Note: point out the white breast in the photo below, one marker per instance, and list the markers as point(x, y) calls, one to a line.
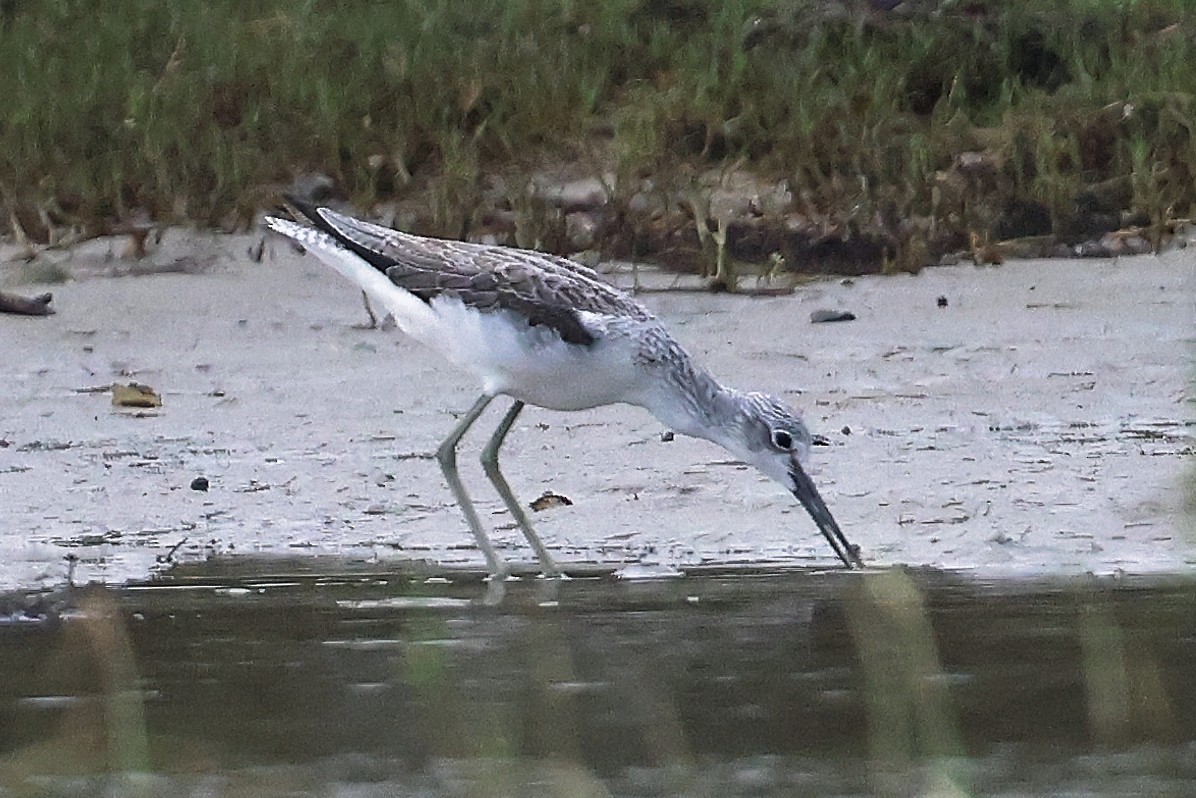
point(533, 364)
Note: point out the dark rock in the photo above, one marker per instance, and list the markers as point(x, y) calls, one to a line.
point(824, 316)
point(1023, 218)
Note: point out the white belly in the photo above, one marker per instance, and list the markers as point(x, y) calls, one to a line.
point(532, 364)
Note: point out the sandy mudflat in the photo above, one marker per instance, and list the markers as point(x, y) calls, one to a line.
point(1040, 423)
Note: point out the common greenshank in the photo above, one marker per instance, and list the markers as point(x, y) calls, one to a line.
point(546, 331)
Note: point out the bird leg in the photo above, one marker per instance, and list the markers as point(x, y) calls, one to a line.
point(373, 325)
point(447, 456)
point(490, 464)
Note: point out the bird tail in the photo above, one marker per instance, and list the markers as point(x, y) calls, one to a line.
point(301, 209)
point(362, 238)
point(332, 250)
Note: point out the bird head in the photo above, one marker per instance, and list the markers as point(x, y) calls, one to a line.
point(769, 435)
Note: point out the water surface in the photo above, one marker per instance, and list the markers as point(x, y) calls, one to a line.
point(274, 677)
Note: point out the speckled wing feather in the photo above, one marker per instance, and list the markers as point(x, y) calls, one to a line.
point(544, 289)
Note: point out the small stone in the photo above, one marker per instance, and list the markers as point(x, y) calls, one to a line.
point(941, 301)
point(199, 483)
point(667, 436)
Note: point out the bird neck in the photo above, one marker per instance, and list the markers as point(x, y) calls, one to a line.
point(692, 402)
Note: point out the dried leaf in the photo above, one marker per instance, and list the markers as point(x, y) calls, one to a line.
point(134, 394)
point(549, 500)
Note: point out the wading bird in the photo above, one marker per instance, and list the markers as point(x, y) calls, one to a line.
point(549, 332)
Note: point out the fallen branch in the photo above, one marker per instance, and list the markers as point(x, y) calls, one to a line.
point(27, 306)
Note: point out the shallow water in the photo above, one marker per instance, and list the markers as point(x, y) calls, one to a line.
point(271, 677)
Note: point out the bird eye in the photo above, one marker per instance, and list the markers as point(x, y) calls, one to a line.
point(782, 439)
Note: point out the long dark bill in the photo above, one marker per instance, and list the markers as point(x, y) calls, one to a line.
point(807, 494)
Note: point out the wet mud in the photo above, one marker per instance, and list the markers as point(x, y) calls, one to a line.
point(1037, 422)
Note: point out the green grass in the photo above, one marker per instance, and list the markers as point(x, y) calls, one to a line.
point(199, 110)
